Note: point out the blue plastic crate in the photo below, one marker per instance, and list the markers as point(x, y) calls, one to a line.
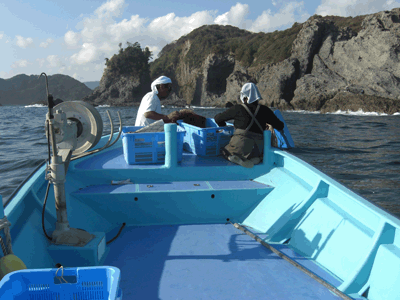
point(147, 147)
point(206, 141)
point(82, 283)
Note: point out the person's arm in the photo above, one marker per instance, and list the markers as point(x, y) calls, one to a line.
point(156, 116)
point(274, 121)
point(227, 115)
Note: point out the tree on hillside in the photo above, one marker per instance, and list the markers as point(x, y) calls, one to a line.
point(133, 60)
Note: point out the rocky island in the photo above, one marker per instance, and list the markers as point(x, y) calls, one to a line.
point(324, 64)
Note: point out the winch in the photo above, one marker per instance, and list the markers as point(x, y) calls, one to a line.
point(72, 128)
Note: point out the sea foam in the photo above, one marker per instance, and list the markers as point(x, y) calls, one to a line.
point(35, 105)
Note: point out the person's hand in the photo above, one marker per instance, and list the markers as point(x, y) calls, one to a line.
point(166, 119)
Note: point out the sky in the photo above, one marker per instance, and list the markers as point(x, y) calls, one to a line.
point(73, 37)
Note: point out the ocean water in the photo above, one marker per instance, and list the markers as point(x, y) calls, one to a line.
point(360, 150)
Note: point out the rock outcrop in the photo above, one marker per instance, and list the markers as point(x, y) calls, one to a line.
point(119, 91)
point(126, 78)
point(349, 70)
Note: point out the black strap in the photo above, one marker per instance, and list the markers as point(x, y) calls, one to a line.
point(253, 117)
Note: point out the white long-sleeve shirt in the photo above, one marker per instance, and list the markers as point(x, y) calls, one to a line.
point(150, 102)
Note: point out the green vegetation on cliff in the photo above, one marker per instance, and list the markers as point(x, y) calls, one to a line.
point(248, 48)
point(133, 61)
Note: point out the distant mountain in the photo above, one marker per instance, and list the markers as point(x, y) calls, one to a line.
point(92, 84)
point(24, 90)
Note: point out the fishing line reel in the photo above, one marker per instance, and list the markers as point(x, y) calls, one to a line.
point(74, 128)
point(77, 126)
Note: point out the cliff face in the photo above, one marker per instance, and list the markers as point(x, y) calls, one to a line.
point(24, 90)
point(349, 70)
point(330, 67)
point(123, 90)
point(125, 78)
point(326, 64)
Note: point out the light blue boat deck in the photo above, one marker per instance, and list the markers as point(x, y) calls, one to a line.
point(208, 261)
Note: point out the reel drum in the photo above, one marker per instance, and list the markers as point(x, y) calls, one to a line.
point(88, 120)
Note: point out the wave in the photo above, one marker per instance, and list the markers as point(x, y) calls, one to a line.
point(360, 112)
point(105, 105)
point(304, 112)
point(36, 105)
point(202, 107)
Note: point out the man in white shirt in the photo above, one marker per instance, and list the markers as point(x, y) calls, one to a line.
point(150, 107)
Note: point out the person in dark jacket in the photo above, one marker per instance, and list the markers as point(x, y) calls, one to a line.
point(250, 120)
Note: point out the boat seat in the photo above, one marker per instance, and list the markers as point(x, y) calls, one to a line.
point(327, 228)
point(176, 202)
point(385, 273)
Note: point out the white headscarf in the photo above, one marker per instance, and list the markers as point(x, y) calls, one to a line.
point(250, 91)
point(159, 80)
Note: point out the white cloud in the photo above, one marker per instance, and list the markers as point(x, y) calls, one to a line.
point(40, 61)
point(24, 42)
point(71, 38)
point(87, 54)
point(1, 35)
point(287, 15)
point(22, 63)
point(346, 8)
point(101, 34)
point(171, 27)
point(54, 61)
point(125, 28)
point(46, 43)
point(112, 8)
point(236, 16)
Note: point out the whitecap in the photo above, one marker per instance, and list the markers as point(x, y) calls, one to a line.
point(105, 105)
point(360, 112)
point(36, 105)
point(203, 107)
point(304, 112)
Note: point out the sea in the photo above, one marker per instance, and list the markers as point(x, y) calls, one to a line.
point(359, 150)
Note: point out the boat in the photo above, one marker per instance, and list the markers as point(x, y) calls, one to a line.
point(198, 227)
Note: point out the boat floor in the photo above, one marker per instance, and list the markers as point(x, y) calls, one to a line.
point(210, 261)
point(115, 159)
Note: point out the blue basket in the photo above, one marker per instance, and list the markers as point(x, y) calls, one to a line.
point(147, 147)
point(206, 141)
point(82, 283)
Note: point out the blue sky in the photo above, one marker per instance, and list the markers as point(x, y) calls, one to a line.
point(74, 37)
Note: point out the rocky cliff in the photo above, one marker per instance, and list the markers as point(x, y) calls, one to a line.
point(25, 90)
point(126, 78)
point(349, 70)
point(325, 64)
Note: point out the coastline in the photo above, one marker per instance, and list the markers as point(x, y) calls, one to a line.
point(360, 112)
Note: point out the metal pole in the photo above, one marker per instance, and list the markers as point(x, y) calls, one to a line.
point(288, 259)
